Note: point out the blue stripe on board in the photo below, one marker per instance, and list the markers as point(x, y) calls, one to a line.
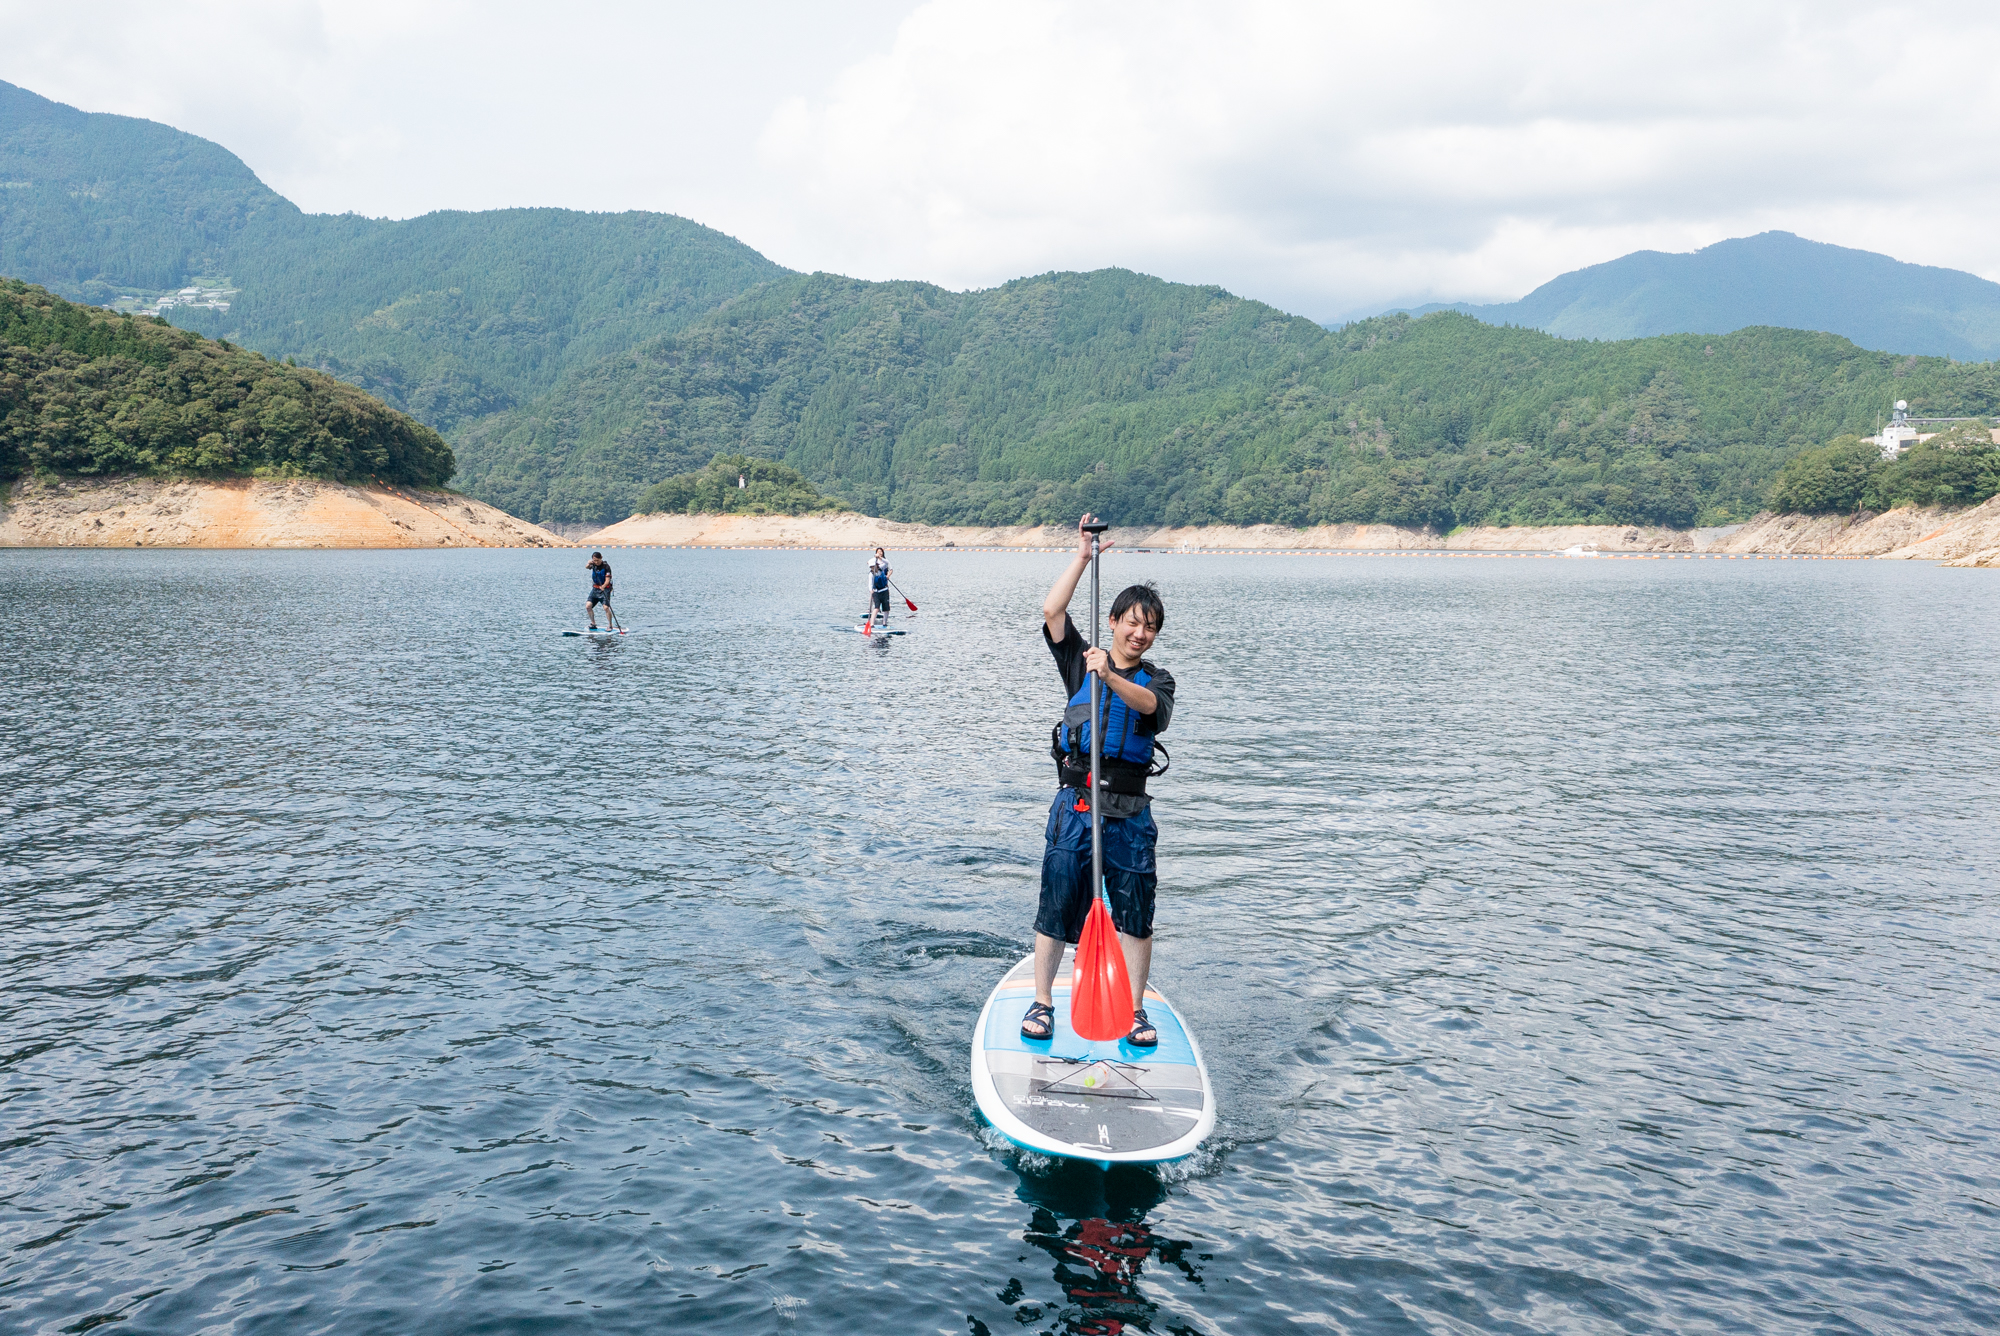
point(1003, 1032)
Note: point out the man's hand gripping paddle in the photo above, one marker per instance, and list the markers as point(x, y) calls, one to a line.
point(1100, 991)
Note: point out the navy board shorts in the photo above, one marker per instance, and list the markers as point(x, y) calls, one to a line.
point(600, 596)
point(1131, 874)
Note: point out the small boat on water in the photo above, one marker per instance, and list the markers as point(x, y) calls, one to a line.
point(1581, 550)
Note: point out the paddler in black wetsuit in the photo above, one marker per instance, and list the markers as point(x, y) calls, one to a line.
point(600, 589)
point(1140, 704)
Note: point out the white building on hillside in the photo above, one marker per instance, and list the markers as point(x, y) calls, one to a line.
point(1905, 431)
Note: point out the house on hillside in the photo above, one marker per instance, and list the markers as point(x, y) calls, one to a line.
point(1905, 431)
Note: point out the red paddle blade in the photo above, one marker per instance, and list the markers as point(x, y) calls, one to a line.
point(1100, 991)
point(912, 606)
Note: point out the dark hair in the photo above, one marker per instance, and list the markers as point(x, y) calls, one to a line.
point(1144, 597)
point(597, 556)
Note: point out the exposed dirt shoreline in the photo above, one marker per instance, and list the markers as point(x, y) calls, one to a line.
point(251, 512)
point(1958, 538)
point(307, 513)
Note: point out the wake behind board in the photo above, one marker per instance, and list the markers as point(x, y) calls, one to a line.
point(1082, 1100)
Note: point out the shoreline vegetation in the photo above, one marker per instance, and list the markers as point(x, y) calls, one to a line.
point(90, 392)
point(306, 513)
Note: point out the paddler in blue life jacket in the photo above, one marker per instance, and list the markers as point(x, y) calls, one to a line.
point(1137, 706)
point(878, 585)
point(600, 589)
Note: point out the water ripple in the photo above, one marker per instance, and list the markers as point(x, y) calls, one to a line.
point(1576, 945)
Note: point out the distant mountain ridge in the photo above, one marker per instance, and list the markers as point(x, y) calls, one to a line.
point(1773, 278)
point(1166, 403)
point(449, 317)
point(578, 360)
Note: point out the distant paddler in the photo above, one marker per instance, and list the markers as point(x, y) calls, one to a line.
point(878, 586)
point(600, 590)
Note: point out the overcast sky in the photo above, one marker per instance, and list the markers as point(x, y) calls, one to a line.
point(1326, 157)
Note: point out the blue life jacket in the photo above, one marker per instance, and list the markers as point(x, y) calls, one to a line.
point(881, 578)
point(1127, 751)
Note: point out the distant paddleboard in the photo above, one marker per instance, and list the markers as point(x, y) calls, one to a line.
point(878, 631)
point(1082, 1100)
point(599, 631)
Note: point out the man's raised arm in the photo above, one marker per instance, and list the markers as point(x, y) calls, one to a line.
point(1055, 608)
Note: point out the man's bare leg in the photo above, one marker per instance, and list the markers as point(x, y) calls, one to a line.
point(1048, 960)
point(590, 611)
point(1138, 963)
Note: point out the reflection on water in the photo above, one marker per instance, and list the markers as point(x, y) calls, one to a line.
point(1573, 945)
point(1092, 1225)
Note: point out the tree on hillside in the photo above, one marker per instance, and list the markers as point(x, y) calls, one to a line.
point(736, 485)
point(1829, 480)
point(1929, 476)
point(86, 391)
point(1974, 434)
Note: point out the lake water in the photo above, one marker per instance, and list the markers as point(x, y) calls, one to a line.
point(1594, 946)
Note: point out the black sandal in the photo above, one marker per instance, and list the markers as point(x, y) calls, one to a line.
point(1042, 1014)
point(1140, 1025)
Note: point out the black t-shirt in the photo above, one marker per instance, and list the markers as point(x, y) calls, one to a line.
point(1069, 662)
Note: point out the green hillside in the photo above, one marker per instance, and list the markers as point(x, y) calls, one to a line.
point(448, 316)
point(580, 360)
point(455, 315)
point(86, 391)
point(736, 485)
point(1159, 402)
point(92, 204)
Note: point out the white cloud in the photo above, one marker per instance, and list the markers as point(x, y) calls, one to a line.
point(1323, 156)
point(1328, 155)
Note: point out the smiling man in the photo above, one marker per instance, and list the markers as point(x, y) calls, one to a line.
point(1137, 706)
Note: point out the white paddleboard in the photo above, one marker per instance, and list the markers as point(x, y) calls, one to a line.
point(878, 631)
point(1105, 1100)
point(598, 631)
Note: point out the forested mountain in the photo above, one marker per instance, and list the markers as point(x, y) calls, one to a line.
point(580, 360)
point(92, 202)
point(85, 391)
point(1159, 402)
point(1773, 278)
point(448, 316)
point(454, 315)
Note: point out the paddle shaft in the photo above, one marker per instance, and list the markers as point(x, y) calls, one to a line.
point(906, 598)
point(1096, 740)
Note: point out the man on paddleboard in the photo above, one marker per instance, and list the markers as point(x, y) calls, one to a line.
point(878, 585)
point(1140, 704)
point(600, 589)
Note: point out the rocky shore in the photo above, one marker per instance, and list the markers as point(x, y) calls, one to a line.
point(1968, 537)
point(307, 513)
point(1959, 538)
point(251, 512)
